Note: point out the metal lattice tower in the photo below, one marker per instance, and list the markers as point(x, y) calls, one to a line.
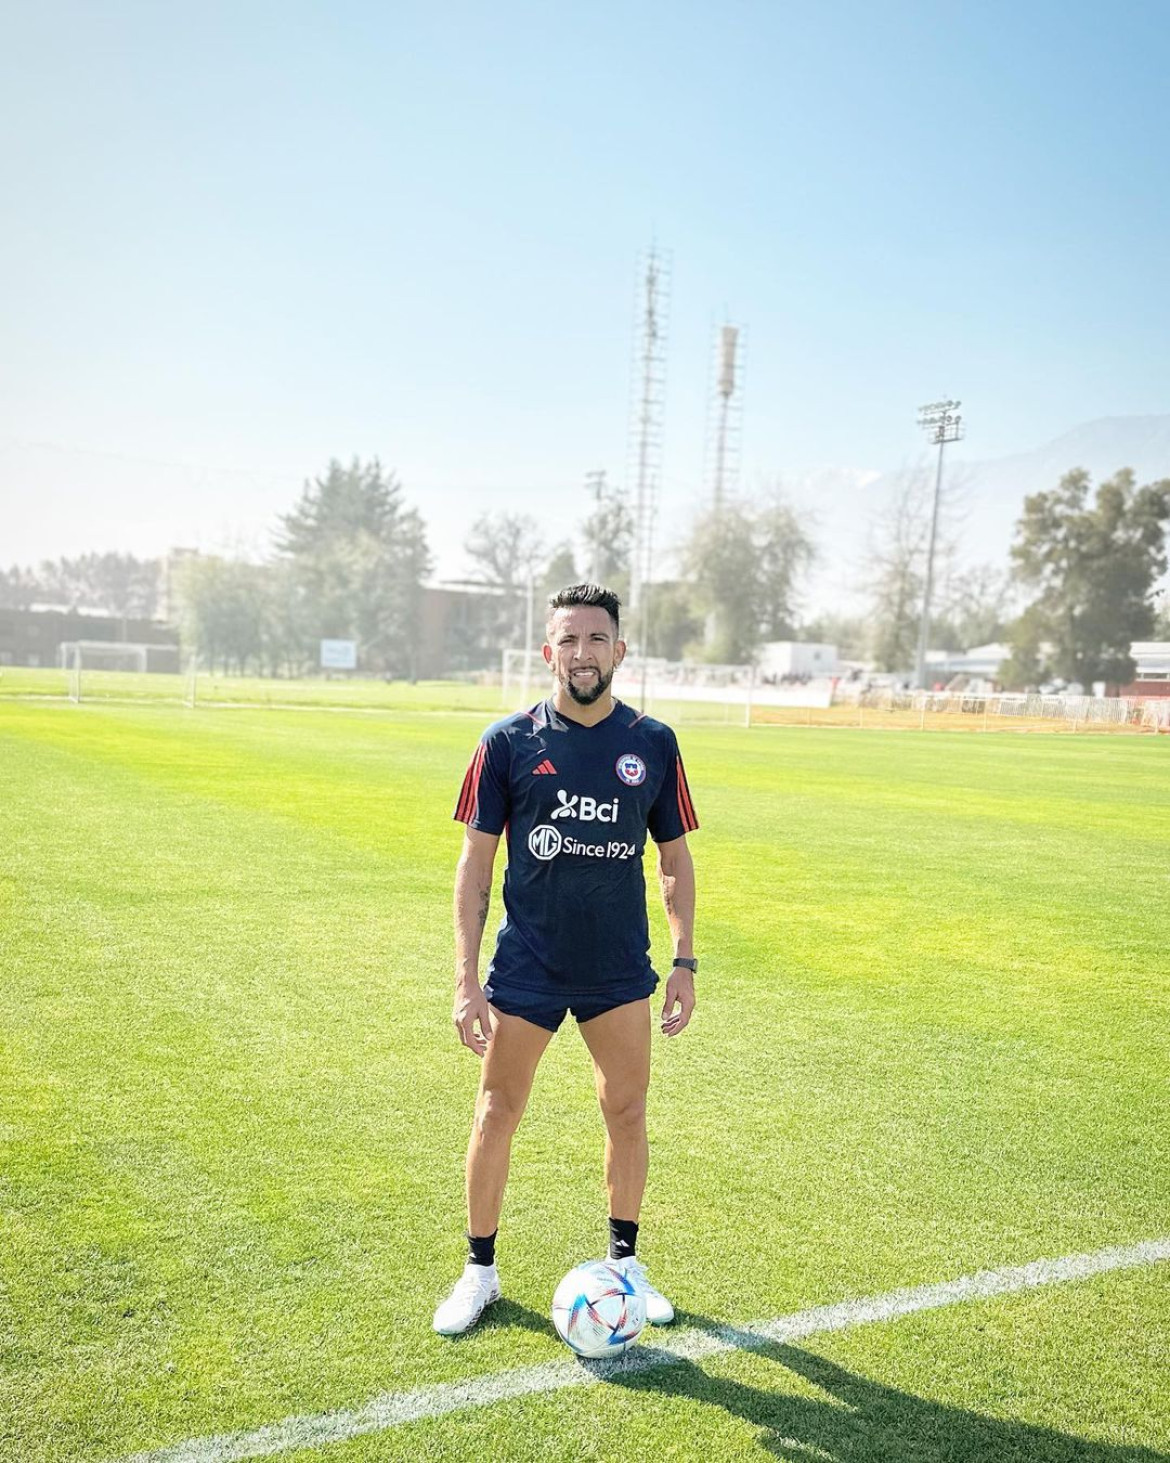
point(725, 414)
point(648, 401)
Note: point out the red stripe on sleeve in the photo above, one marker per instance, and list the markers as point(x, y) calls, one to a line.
point(473, 807)
point(461, 803)
point(686, 808)
point(473, 802)
point(469, 794)
point(478, 775)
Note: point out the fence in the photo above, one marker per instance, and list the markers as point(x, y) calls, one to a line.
point(966, 711)
point(728, 695)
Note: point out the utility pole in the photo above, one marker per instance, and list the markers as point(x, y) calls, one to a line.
point(595, 486)
point(943, 424)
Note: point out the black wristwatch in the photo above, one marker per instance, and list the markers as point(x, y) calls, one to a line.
point(691, 965)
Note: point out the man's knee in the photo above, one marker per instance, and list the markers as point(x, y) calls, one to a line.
point(625, 1113)
point(497, 1113)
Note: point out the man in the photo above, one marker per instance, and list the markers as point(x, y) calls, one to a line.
point(577, 782)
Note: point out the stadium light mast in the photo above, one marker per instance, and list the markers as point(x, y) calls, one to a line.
point(943, 424)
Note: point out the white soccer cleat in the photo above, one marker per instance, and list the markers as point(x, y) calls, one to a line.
point(474, 1291)
point(659, 1311)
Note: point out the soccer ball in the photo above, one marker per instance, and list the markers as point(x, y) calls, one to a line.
point(597, 1311)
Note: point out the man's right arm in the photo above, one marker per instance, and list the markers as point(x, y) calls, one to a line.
point(473, 892)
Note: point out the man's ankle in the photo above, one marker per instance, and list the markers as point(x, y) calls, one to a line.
point(623, 1238)
point(481, 1249)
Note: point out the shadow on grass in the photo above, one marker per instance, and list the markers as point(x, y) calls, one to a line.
point(865, 1422)
point(507, 1314)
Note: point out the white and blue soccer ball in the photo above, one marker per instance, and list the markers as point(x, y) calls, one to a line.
point(597, 1310)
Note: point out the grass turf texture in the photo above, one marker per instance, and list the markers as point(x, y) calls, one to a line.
point(931, 1039)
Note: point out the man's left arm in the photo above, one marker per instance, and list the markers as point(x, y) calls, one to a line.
point(676, 874)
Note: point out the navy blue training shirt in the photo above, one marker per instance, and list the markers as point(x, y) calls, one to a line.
point(576, 802)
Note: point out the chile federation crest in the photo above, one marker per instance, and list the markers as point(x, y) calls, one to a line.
point(631, 769)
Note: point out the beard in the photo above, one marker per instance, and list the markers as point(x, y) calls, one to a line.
point(586, 696)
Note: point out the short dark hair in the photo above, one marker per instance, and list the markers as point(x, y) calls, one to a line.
point(587, 594)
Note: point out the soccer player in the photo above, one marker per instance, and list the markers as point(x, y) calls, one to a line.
point(576, 783)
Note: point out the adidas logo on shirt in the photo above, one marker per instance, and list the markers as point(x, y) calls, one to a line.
point(545, 769)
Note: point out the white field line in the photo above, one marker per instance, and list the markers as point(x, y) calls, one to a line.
point(392, 1409)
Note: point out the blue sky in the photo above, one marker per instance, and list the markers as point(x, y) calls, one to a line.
point(239, 239)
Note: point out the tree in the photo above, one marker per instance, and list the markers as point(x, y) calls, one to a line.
point(899, 542)
point(559, 572)
point(673, 619)
point(288, 624)
point(785, 552)
point(899, 545)
point(1025, 666)
point(974, 608)
point(849, 633)
point(1094, 568)
point(505, 550)
point(19, 588)
point(119, 584)
point(608, 534)
point(358, 557)
point(744, 561)
point(223, 611)
point(243, 617)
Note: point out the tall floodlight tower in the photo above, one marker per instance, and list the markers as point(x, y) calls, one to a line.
point(943, 424)
point(725, 414)
point(648, 400)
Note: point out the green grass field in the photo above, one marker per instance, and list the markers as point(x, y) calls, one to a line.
point(933, 1038)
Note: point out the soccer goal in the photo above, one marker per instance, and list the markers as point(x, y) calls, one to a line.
point(111, 666)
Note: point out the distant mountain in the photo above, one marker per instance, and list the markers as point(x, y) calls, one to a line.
point(843, 502)
point(997, 488)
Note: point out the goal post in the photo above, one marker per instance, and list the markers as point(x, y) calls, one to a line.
point(191, 684)
point(76, 657)
point(524, 674)
point(688, 692)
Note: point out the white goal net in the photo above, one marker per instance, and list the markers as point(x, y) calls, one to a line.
point(102, 662)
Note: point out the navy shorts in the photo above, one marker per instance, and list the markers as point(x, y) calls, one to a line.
point(549, 1007)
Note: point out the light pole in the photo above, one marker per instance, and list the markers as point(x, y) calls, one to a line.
point(943, 424)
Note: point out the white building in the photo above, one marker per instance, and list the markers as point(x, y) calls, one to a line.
point(982, 661)
point(780, 658)
point(1152, 676)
